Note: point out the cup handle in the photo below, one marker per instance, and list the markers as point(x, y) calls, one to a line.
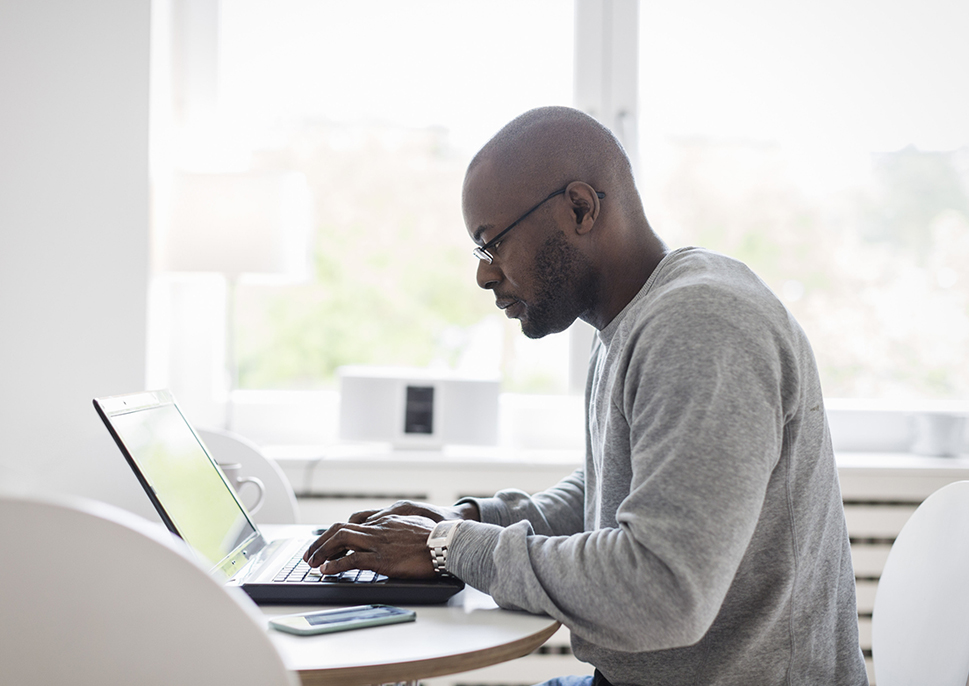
point(262, 491)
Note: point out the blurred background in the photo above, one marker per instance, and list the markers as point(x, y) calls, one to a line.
point(823, 144)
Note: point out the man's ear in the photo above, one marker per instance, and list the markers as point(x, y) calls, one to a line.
point(584, 203)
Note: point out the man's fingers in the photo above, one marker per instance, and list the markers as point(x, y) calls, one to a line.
point(395, 545)
point(319, 542)
point(352, 560)
point(401, 508)
point(338, 539)
point(362, 516)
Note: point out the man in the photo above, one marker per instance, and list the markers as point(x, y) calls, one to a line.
point(704, 540)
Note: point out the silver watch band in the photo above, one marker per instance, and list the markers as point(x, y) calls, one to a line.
point(439, 560)
point(438, 541)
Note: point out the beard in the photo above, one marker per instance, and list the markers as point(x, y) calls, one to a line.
point(567, 288)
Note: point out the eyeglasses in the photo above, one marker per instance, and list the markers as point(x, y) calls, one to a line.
point(482, 252)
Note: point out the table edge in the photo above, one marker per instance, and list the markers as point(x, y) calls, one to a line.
point(363, 675)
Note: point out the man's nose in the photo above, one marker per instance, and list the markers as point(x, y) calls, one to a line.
point(488, 275)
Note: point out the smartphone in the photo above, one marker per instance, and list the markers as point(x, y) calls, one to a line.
point(342, 619)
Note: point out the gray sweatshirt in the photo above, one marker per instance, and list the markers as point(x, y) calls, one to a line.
point(704, 540)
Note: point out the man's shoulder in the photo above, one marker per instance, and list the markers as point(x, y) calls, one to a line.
point(699, 296)
point(696, 280)
point(688, 267)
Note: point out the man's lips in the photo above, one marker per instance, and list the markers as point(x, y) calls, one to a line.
point(511, 306)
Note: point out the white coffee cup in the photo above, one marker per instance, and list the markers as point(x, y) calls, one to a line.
point(941, 434)
point(233, 474)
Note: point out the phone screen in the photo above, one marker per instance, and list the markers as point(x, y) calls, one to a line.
point(327, 621)
point(352, 614)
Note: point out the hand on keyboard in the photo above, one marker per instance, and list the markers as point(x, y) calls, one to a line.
point(394, 545)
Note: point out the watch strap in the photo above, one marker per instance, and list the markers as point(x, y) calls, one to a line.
point(439, 559)
point(438, 543)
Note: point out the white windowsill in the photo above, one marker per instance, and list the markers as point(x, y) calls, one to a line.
point(301, 427)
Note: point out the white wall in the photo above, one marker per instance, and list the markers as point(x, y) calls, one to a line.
point(73, 238)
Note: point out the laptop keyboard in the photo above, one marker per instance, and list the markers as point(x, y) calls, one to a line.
point(297, 571)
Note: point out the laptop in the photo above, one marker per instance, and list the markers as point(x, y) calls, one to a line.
point(197, 504)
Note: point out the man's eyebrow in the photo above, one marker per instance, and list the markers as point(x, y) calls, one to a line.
point(480, 230)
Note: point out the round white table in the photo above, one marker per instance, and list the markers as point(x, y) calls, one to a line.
point(468, 633)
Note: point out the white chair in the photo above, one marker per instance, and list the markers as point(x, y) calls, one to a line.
point(92, 594)
point(279, 504)
point(920, 623)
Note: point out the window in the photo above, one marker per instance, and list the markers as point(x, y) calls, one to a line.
point(379, 105)
point(825, 144)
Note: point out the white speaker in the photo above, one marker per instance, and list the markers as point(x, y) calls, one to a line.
point(417, 408)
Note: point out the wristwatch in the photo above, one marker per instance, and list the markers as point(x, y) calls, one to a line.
point(439, 541)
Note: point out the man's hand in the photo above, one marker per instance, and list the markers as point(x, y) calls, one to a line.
point(410, 508)
point(395, 545)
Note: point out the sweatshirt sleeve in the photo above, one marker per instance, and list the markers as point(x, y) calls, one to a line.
point(555, 511)
point(697, 417)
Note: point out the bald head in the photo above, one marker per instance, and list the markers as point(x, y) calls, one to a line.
point(549, 147)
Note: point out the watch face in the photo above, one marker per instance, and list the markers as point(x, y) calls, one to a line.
point(443, 529)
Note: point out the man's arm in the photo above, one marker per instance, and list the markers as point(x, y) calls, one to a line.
point(557, 511)
point(393, 541)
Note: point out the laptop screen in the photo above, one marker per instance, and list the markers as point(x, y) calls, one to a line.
point(185, 481)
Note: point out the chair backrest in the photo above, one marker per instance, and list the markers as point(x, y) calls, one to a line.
point(920, 624)
point(91, 594)
point(279, 505)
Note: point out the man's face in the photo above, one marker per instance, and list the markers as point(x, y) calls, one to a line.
point(538, 276)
